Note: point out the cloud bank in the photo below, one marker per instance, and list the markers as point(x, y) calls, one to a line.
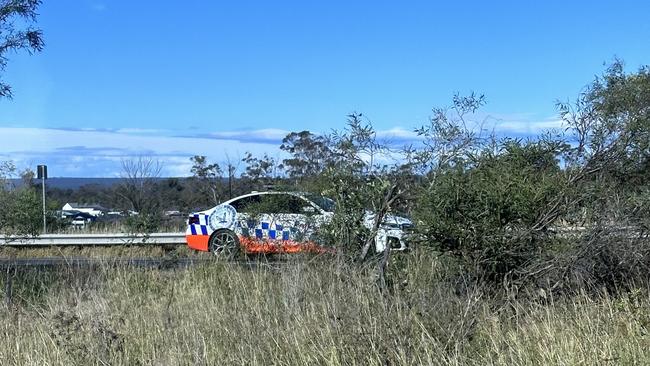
point(98, 152)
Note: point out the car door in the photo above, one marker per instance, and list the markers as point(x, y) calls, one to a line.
point(246, 220)
point(296, 217)
point(277, 217)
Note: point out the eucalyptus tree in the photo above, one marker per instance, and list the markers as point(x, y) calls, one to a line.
point(17, 32)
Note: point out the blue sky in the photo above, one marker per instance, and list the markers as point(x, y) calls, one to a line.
point(175, 79)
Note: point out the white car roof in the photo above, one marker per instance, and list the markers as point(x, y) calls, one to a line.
point(297, 194)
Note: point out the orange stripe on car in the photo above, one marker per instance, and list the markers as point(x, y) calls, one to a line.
point(198, 242)
point(256, 246)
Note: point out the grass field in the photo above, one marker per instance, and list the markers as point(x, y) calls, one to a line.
point(113, 251)
point(309, 311)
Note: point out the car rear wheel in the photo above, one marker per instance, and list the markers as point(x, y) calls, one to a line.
point(224, 244)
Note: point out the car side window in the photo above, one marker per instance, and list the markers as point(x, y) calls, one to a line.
point(273, 204)
point(285, 204)
point(246, 204)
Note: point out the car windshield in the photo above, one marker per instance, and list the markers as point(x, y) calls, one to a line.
point(327, 204)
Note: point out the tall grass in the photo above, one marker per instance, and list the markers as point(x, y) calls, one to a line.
point(168, 225)
point(307, 311)
point(111, 251)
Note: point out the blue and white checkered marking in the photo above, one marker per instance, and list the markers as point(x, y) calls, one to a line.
point(202, 227)
point(265, 230)
point(261, 230)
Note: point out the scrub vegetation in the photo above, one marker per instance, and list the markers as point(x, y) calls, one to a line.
point(525, 250)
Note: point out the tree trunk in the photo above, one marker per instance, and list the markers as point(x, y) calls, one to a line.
point(387, 202)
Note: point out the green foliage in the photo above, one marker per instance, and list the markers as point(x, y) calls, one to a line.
point(491, 214)
point(611, 124)
point(21, 211)
point(7, 169)
point(207, 180)
point(145, 222)
point(355, 149)
point(450, 138)
point(346, 230)
point(16, 32)
point(492, 203)
point(260, 172)
point(358, 183)
point(310, 154)
point(259, 168)
point(201, 168)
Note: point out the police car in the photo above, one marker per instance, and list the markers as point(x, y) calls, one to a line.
point(277, 222)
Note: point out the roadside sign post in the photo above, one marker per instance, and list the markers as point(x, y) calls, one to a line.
point(42, 175)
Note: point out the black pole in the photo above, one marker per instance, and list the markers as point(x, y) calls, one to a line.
point(230, 181)
point(41, 172)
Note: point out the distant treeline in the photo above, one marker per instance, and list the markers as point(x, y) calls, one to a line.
point(172, 193)
point(76, 183)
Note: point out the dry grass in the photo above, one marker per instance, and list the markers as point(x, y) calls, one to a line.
point(120, 251)
point(167, 226)
point(311, 311)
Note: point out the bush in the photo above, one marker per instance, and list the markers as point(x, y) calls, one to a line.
point(144, 222)
point(21, 212)
point(490, 214)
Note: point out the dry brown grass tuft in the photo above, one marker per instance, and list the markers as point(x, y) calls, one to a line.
point(309, 311)
point(115, 251)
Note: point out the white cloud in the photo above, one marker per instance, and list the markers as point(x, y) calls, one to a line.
point(523, 127)
point(94, 153)
point(267, 135)
point(398, 136)
point(138, 130)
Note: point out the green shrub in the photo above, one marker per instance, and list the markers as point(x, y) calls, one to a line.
point(144, 222)
point(491, 214)
point(21, 212)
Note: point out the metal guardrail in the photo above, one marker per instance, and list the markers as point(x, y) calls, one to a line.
point(164, 238)
point(93, 239)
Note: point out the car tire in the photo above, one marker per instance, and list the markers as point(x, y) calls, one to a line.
point(224, 244)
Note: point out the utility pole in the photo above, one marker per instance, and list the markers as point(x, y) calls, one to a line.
point(42, 175)
point(230, 173)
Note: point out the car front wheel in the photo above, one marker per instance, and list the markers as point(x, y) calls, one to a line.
point(224, 244)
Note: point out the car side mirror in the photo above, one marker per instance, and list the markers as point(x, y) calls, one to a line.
point(308, 209)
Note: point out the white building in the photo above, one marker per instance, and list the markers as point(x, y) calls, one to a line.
point(94, 210)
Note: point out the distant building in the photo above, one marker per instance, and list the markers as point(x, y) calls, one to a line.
point(71, 209)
